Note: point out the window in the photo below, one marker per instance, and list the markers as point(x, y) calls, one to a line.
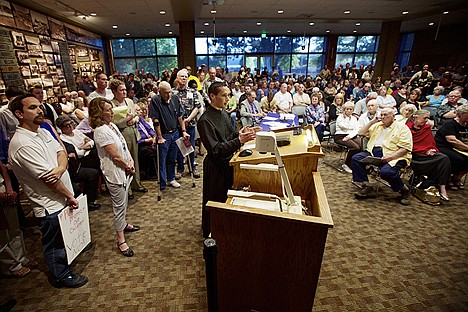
point(404, 51)
point(356, 50)
point(154, 55)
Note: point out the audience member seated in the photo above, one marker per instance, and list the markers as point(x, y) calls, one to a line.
point(268, 103)
point(147, 148)
point(83, 161)
point(231, 109)
point(427, 159)
point(362, 93)
point(386, 100)
point(447, 111)
point(365, 118)
point(361, 106)
point(301, 98)
point(336, 108)
point(81, 111)
point(315, 115)
point(347, 127)
point(283, 99)
point(451, 139)
point(434, 101)
point(391, 142)
point(413, 98)
point(400, 96)
point(405, 112)
point(250, 111)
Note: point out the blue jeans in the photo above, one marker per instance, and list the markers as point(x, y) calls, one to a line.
point(53, 247)
point(387, 172)
point(180, 157)
point(167, 158)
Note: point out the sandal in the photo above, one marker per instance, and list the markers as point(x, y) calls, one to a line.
point(127, 252)
point(457, 184)
point(444, 197)
point(21, 272)
point(32, 263)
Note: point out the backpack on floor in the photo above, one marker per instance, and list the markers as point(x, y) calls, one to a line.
point(427, 192)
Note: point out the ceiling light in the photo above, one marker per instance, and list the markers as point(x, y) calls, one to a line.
point(280, 11)
point(170, 33)
point(213, 11)
point(259, 23)
point(354, 31)
point(245, 31)
point(347, 12)
point(93, 14)
point(358, 24)
point(202, 31)
point(288, 31)
point(127, 34)
point(405, 12)
point(327, 31)
point(114, 26)
point(446, 12)
point(207, 24)
point(431, 24)
point(167, 25)
point(162, 12)
point(311, 23)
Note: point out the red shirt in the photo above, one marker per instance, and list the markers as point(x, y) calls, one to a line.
point(423, 140)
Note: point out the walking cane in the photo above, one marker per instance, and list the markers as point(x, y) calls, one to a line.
point(157, 170)
point(191, 169)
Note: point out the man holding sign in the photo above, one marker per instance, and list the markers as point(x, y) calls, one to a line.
point(40, 164)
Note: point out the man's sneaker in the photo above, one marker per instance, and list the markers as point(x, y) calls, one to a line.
point(346, 168)
point(72, 281)
point(405, 195)
point(174, 183)
point(196, 175)
point(178, 175)
point(366, 192)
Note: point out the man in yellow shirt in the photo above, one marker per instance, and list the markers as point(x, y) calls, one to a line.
point(392, 143)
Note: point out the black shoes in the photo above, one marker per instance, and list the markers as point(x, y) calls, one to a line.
point(132, 229)
point(131, 196)
point(72, 281)
point(127, 252)
point(93, 206)
point(142, 190)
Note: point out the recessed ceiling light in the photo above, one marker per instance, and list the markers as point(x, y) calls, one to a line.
point(167, 25)
point(311, 23)
point(358, 24)
point(245, 31)
point(170, 33)
point(93, 14)
point(327, 31)
point(259, 23)
point(207, 24)
point(431, 24)
point(202, 31)
point(405, 12)
point(127, 34)
point(213, 11)
point(347, 12)
point(162, 12)
point(446, 12)
point(280, 11)
point(354, 31)
point(288, 31)
point(115, 26)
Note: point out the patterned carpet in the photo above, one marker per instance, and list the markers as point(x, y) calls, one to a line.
point(380, 256)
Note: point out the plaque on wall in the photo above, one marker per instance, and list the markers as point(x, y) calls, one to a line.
point(67, 66)
point(40, 23)
point(6, 14)
point(9, 65)
point(22, 18)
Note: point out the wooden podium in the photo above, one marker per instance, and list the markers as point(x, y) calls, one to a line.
point(267, 260)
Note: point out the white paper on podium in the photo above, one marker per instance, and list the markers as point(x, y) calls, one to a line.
point(256, 203)
point(74, 224)
point(184, 150)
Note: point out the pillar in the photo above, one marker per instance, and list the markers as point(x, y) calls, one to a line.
point(186, 48)
point(387, 50)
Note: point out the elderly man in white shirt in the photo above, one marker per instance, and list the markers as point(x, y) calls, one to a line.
point(284, 99)
point(301, 98)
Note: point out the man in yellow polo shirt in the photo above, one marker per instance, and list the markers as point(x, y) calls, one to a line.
point(392, 143)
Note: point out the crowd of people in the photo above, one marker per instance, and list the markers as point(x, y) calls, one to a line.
point(114, 132)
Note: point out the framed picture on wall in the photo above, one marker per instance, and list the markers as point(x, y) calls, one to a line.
point(23, 57)
point(31, 39)
point(25, 71)
point(22, 18)
point(58, 59)
point(49, 59)
point(18, 40)
point(94, 54)
point(72, 59)
point(34, 70)
point(42, 66)
point(6, 14)
point(53, 69)
point(40, 23)
point(55, 47)
point(34, 50)
point(57, 31)
point(45, 43)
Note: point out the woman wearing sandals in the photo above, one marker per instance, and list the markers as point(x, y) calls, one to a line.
point(116, 164)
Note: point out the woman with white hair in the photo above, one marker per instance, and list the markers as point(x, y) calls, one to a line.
point(405, 113)
point(347, 127)
point(385, 100)
point(434, 101)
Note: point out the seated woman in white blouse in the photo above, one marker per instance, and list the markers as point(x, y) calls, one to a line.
point(386, 100)
point(347, 127)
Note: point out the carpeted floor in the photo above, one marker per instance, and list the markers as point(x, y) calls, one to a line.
point(380, 256)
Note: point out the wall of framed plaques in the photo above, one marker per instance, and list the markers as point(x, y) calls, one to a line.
point(47, 51)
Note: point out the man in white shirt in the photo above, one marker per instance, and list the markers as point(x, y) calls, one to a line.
point(101, 90)
point(301, 98)
point(40, 164)
point(284, 99)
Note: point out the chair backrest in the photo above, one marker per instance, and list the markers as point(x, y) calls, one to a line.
point(332, 126)
point(298, 110)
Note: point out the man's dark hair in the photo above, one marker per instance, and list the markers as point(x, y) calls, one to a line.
point(17, 103)
point(13, 91)
point(215, 87)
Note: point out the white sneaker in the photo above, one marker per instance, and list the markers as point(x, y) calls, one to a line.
point(346, 168)
point(174, 183)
